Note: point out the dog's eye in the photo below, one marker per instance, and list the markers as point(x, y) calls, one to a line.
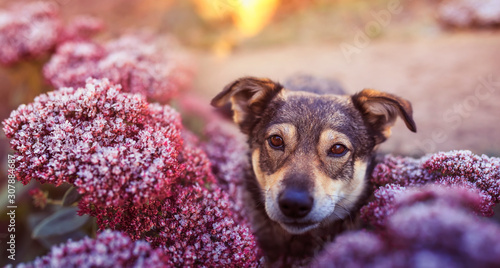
point(338, 150)
point(276, 142)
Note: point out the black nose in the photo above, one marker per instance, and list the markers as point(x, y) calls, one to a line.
point(295, 203)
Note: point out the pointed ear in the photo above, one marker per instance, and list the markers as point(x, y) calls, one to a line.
point(380, 111)
point(249, 97)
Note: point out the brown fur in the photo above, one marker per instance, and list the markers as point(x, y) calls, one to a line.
point(303, 193)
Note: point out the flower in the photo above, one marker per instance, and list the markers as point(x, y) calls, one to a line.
point(28, 30)
point(40, 198)
point(475, 173)
point(108, 249)
point(81, 28)
point(112, 146)
point(429, 227)
point(469, 13)
point(141, 63)
point(227, 150)
point(129, 161)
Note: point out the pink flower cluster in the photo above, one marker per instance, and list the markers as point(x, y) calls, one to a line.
point(430, 226)
point(469, 13)
point(129, 162)
point(81, 28)
point(116, 148)
point(108, 249)
point(141, 63)
point(28, 30)
point(478, 174)
point(195, 227)
point(227, 149)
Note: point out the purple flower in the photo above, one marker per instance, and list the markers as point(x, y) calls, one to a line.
point(141, 63)
point(227, 151)
point(469, 13)
point(81, 28)
point(129, 161)
point(108, 249)
point(456, 168)
point(197, 226)
point(114, 147)
point(428, 227)
point(28, 30)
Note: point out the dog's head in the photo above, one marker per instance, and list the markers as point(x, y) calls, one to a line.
point(310, 152)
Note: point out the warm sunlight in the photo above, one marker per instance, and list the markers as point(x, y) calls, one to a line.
point(249, 16)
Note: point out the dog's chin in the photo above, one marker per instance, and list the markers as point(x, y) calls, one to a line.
point(298, 228)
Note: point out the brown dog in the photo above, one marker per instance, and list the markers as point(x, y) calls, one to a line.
point(310, 154)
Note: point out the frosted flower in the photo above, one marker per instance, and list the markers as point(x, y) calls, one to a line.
point(108, 249)
point(198, 227)
point(81, 28)
point(114, 147)
point(227, 151)
point(393, 197)
point(28, 30)
point(428, 227)
point(141, 63)
point(455, 168)
point(128, 160)
point(469, 13)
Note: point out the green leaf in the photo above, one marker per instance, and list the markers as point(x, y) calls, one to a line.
point(70, 197)
point(61, 222)
point(50, 241)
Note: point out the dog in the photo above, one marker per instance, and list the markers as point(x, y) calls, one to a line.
point(310, 152)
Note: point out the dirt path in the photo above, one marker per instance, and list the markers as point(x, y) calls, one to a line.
point(452, 80)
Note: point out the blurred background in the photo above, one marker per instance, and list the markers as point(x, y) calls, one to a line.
point(443, 56)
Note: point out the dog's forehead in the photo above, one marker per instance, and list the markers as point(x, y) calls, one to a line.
point(307, 110)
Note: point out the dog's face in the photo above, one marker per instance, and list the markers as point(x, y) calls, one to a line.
point(310, 152)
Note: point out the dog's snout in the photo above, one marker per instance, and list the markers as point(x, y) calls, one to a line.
point(295, 203)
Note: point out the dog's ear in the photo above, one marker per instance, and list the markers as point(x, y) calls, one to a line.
point(249, 97)
point(380, 111)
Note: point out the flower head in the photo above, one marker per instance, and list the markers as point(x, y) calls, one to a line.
point(427, 227)
point(129, 161)
point(28, 30)
point(108, 249)
point(114, 147)
point(227, 149)
point(40, 198)
point(469, 13)
point(456, 168)
point(141, 63)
